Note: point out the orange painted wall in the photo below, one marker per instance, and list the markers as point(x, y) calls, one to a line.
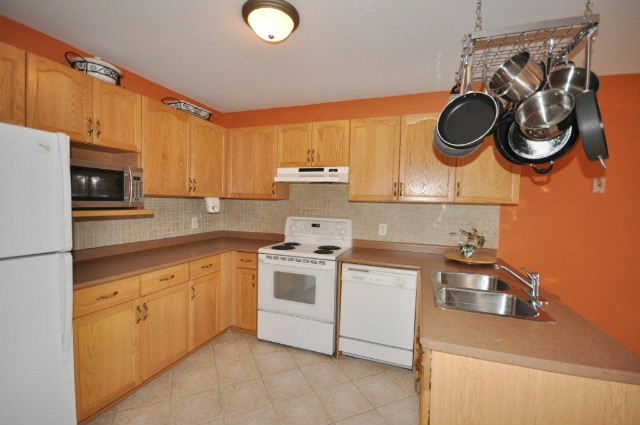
point(31, 40)
point(584, 245)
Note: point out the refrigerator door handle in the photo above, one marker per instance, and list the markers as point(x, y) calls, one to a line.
point(66, 307)
point(65, 153)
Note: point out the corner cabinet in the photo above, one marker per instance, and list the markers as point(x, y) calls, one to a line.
point(321, 144)
point(12, 84)
point(251, 160)
point(394, 160)
point(165, 150)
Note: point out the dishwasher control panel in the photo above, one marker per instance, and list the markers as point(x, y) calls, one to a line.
point(386, 276)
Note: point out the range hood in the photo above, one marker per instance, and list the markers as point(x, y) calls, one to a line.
point(313, 174)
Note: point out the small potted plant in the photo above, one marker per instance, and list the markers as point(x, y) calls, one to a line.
point(473, 241)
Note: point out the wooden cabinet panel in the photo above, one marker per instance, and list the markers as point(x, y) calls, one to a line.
point(59, 98)
point(117, 115)
point(246, 299)
point(247, 260)
point(165, 149)
point(164, 331)
point(294, 145)
point(426, 175)
point(205, 292)
point(102, 296)
point(486, 177)
point(106, 356)
point(12, 84)
point(204, 266)
point(252, 164)
point(330, 143)
point(207, 157)
point(225, 304)
point(163, 278)
point(374, 151)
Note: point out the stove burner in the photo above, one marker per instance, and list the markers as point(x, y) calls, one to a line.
point(328, 247)
point(322, 251)
point(283, 247)
point(291, 243)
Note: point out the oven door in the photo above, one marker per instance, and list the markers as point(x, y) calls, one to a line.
point(297, 290)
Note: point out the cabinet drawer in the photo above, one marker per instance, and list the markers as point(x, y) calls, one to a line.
point(246, 260)
point(204, 266)
point(99, 297)
point(163, 278)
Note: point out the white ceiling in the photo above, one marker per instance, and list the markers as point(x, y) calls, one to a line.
point(343, 49)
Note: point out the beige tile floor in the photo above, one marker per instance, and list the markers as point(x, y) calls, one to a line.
point(237, 379)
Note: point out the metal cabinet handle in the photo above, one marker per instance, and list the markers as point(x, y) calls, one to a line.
point(139, 310)
point(193, 292)
point(206, 266)
point(98, 129)
point(395, 189)
point(273, 188)
point(458, 189)
point(309, 155)
point(90, 131)
point(146, 311)
point(400, 189)
point(313, 154)
point(243, 260)
point(104, 297)
point(164, 279)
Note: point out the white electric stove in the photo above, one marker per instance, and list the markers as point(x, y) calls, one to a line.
point(297, 283)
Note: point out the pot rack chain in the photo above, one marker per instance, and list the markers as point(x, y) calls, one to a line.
point(485, 51)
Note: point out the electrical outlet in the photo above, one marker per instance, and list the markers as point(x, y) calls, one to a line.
point(194, 222)
point(599, 184)
point(382, 229)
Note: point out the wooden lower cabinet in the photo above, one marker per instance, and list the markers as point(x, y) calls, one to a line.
point(205, 292)
point(164, 335)
point(246, 299)
point(106, 347)
point(463, 390)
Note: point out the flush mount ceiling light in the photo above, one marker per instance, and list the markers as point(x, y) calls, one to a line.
point(271, 20)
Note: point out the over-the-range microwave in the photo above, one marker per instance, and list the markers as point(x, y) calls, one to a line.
point(100, 185)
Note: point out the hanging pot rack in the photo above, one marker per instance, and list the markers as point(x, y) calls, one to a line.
point(483, 51)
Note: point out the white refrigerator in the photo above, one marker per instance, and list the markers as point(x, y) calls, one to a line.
point(36, 283)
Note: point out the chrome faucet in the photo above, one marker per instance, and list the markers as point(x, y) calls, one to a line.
point(533, 284)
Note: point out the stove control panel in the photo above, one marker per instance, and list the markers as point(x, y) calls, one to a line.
point(297, 261)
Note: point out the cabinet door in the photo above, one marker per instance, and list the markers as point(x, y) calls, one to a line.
point(12, 84)
point(164, 334)
point(252, 163)
point(59, 98)
point(106, 356)
point(165, 149)
point(208, 146)
point(205, 292)
point(294, 145)
point(374, 151)
point(330, 143)
point(246, 299)
point(486, 177)
point(117, 115)
point(426, 175)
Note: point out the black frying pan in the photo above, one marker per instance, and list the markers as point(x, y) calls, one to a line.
point(591, 128)
point(468, 119)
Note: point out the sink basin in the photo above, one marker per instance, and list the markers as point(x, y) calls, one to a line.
point(497, 303)
point(481, 282)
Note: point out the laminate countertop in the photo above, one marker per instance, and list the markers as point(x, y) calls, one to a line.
point(571, 345)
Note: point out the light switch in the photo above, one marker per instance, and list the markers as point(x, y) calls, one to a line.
point(194, 222)
point(599, 184)
point(382, 229)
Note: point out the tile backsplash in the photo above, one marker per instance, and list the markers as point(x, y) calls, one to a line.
point(415, 223)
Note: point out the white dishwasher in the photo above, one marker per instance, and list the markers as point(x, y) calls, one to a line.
point(377, 313)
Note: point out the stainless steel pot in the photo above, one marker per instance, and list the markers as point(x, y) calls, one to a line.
point(517, 78)
point(546, 114)
point(572, 79)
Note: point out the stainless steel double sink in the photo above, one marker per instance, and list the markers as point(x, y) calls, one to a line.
point(484, 293)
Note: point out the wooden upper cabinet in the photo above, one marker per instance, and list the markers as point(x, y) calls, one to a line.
point(12, 84)
point(164, 330)
point(487, 178)
point(252, 164)
point(208, 145)
point(106, 356)
point(59, 98)
point(117, 115)
point(330, 143)
point(294, 145)
point(374, 151)
point(165, 149)
point(426, 175)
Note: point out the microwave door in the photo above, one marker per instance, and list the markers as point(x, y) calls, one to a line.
point(97, 187)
